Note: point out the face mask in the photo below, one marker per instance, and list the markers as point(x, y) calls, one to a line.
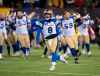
point(19, 17)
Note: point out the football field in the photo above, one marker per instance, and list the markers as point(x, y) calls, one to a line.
point(37, 66)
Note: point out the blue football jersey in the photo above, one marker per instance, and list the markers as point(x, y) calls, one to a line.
point(49, 27)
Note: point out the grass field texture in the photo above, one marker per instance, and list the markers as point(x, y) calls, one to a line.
point(37, 66)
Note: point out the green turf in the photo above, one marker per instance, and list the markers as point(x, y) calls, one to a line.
point(37, 66)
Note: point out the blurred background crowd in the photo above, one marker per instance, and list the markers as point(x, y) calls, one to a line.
point(55, 3)
point(92, 6)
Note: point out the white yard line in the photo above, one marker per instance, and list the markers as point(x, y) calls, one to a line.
point(57, 73)
point(7, 62)
point(96, 75)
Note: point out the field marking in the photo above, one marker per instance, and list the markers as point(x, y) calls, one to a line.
point(57, 73)
point(26, 62)
point(96, 75)
point(6, 62)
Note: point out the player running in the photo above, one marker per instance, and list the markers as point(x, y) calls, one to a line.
point(3, 33)
point(50, 36)
point(84, 33)
point(22, 24)
point(69, 34)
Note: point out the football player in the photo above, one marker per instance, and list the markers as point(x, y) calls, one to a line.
point(22, 24)
point(3, 33)
point(69, 33)
point(50, 35)
point(84, 32)
point(11, 33)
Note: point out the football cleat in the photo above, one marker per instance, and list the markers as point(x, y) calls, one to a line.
point(89, 53)
point(16, 54)
point(52, 68)
point(84, 52)
point(62, 59)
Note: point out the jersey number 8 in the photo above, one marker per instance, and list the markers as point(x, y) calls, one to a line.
point(49, 29)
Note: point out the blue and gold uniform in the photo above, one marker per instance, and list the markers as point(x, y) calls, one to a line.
point(84, 33)
point(11, 33)
point(22, 23)
point(50, 35)
point(69, 34)
point(3, 33)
